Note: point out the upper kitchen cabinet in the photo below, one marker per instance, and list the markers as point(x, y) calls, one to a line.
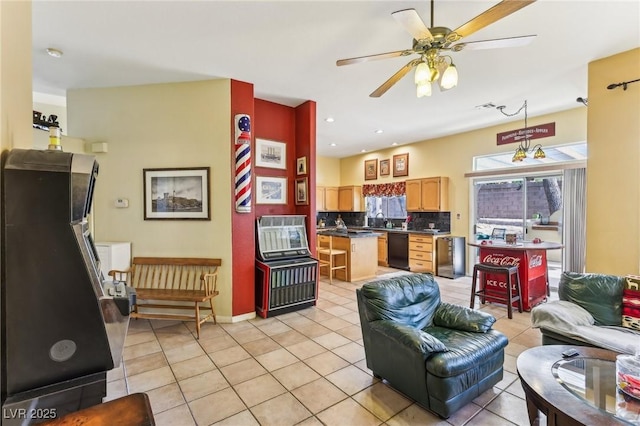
point(350, 199)
point(327, 198)
point(428, 194)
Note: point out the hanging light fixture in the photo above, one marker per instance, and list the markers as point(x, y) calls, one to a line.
point(435, 68)
point(525, 145)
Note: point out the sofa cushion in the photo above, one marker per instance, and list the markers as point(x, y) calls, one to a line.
point(463, 318)
point(599, 294)
point(408, 299)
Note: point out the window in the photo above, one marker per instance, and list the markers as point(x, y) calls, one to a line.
point(389, 207)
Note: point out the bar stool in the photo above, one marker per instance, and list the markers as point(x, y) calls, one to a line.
point(509, 272)
point(328, 257)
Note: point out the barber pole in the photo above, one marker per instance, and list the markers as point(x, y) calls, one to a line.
point(243, 163)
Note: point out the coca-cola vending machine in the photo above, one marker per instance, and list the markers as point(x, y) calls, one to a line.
point(532, 268)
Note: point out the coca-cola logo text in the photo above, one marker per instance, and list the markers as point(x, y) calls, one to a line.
point(502, 260)
point(535, 260)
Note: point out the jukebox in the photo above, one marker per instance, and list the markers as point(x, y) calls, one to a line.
point(286, 274)
point(62, 326)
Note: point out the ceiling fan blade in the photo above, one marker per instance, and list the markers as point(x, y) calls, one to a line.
point(411, 21)
point(489, 16)
point(494, 44)
point(394, 79)
point(374, 57)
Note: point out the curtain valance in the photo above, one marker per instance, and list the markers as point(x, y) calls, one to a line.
point(393, 189)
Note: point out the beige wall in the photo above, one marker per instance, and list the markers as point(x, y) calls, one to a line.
point(452, 156)
point(327, 171)
point(15, 75)
point(160, 126)
point(613, 172)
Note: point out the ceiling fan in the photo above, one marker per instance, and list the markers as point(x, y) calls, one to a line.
point(430, 43)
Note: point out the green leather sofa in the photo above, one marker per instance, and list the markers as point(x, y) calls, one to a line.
point(440, 355)
point(588, 313)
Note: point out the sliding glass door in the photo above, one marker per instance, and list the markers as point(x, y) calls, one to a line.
point(528, 206)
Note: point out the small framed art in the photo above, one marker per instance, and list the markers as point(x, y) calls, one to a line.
point(302, 191)
point(384, 167)
point(370, 169)
point(401, 165)
point(301, 166)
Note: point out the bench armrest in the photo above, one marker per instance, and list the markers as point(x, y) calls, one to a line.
point(210, 282)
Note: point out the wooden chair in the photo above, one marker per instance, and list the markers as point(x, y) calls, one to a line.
point(329, 258)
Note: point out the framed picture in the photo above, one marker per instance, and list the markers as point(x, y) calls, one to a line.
point(401, 165)
point(301, 166)
point(384, 167)
point(271, 190)
point(370, 169)
point(271, 154)
point(176, 194)
point(302, 191)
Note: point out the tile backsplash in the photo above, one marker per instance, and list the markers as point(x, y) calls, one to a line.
point(419, 220)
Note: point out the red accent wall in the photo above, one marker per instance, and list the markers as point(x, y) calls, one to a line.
point(277, 122)
point(296, 127)
point(243, 224)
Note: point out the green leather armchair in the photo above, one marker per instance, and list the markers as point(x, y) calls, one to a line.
point(441, 355)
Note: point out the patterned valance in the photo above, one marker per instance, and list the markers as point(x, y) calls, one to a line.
point(393, 189)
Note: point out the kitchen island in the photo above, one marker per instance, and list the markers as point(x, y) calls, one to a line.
point(362, 253)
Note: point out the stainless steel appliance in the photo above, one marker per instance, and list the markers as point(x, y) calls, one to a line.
point(398, 250)
point(450, 257)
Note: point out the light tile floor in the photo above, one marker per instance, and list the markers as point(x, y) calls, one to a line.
point(302, 368)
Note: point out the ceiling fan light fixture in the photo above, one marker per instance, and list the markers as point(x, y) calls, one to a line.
point(449, 77)
point(422, 73)
point(434, 74)
point(423, 89)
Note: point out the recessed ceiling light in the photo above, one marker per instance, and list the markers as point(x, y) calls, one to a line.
point(394, 144)
point(378, 131)
point(329, 120)
point(333, 144)
point(364, 150)
point(54, 52)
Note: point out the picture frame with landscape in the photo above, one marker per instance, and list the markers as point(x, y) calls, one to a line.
point(176, 193)
point(271, 190)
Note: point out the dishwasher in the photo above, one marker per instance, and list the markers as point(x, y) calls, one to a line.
point(398, 250)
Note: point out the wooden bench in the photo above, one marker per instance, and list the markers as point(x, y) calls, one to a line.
point(172, 279)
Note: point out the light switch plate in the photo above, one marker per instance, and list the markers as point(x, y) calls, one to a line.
point(122, 203)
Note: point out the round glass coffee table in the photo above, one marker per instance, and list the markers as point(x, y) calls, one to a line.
point(580, 390)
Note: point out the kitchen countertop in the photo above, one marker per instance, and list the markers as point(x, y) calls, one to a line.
point(349, 233)
point(378, 230)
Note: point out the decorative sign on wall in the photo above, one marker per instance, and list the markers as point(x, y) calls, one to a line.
point(243, 163)
point(534, 132)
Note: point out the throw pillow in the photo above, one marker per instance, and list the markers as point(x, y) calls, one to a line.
point(631, 302)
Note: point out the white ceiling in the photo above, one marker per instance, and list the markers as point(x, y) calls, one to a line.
point(288, 50)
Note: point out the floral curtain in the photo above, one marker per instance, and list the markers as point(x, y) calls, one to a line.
point(393, 189)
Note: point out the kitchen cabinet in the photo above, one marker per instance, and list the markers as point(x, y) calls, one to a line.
point(350, 199)
point(421, 253)
point(327, 198)
point(427, 194)
point(382, 249)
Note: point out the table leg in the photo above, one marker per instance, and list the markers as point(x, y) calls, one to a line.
point(532, 411)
